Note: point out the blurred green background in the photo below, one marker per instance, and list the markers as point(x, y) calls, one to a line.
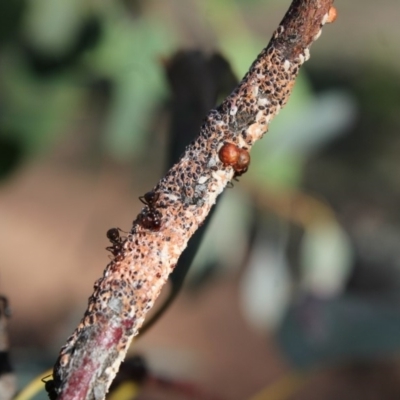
point(300, 265)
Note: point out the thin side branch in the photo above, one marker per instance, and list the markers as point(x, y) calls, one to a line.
point(176, 207)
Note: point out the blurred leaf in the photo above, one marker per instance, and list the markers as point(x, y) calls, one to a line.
point(226, 238)
point(46, 63)
point(37, 112)
point(130, 55)
point(319, 332)
point(235, 40)
point(11, 13)
point(265, 286)
point(326, 259)
point(310, 123)
point(52, 25)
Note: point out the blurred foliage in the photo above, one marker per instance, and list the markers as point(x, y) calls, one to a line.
point(59, 51)
point(313, 337)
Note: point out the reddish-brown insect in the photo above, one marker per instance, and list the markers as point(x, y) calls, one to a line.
point(332, 15)
point(229, 154)
point(237, 158)
point(243, 162)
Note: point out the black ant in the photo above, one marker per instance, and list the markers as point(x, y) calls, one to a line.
point(149, 198)
point(114, 236)
point(50, 387)
point(152, 218)
point(116, 240)
point(230, 184)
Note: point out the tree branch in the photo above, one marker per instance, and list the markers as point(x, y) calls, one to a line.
point(178, 205)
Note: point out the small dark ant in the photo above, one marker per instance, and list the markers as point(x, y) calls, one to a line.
point(149, 198)
point(113, 235)
point(152, 218)
point(50, 387)
point(116, 240)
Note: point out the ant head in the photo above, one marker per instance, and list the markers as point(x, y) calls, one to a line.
point(149, 198)
point(113, 234)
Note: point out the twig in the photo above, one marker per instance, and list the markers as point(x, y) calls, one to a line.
point(177, 207)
